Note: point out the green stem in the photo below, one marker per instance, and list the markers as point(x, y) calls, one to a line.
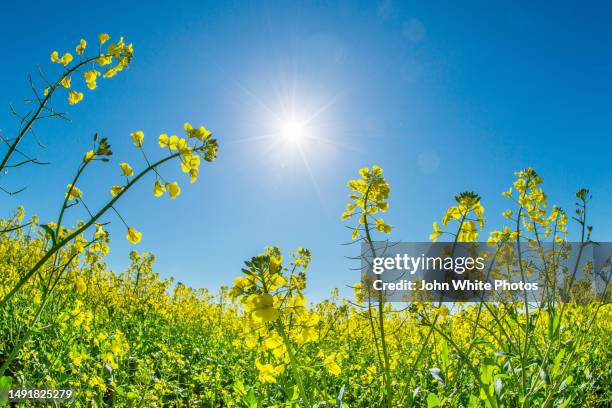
point(381, 305)
point(293, 363)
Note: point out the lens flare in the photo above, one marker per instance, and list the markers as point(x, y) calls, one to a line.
point(292, 131)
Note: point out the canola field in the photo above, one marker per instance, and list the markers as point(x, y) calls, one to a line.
point(132, 339)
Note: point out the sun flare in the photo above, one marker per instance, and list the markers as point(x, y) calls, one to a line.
point(292, 131)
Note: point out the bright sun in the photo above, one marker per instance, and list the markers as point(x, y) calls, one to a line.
point(292, 131)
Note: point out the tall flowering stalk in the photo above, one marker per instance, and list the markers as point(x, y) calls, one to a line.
point(277, 318)
point(370, 197)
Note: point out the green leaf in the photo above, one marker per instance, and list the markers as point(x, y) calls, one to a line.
point(433, 401)
point(250, 399)
point(5, 384)
point(567, 401)
point(444, 355)
point(553, 325)
point(239, 387)
point(557, 362)
point(295, 393)
point(486, 374)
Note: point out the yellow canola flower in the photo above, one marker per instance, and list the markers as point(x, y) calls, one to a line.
point(364, 172)
point(137, 137)
point(273, 341)
point(171, 142)
point(382, 227)
point(111, 72)
point(66, 59)
point(193, 175)
point(436, 232)
point(275, 264)
point(100, 233)
point(73, 192)
point(189, 163)
point(330, 363)
point(77, 358)
point(268, 373)
point(133, 236)
point(115, 49)
point(297, 301)
point(119, 346)
point(200, 134)
point(81, 47)
point(307, 334)
point(158, 189)
point(182, 147)
point(276, 281)
point(173, 189)
point(103, 37)
point(452, 213)
point(55, 57)
point(115, 190)
point(350, 209)
point(79, 245)
point(80, 285)
point(90, 78)
point(468, 232)
point(163, 140)
point(261, 308)
point(188, 129)
point(75, 97)
point(65, 82)
point(126, 170)
point(116, 346)
point(104, 60)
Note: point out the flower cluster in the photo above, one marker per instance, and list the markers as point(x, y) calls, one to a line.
point(118, 53)
point(369, 196)
point(468, 213)
point(532, 212)
point(190, 155)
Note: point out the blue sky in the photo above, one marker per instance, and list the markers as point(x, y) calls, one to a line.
point(445, 97)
